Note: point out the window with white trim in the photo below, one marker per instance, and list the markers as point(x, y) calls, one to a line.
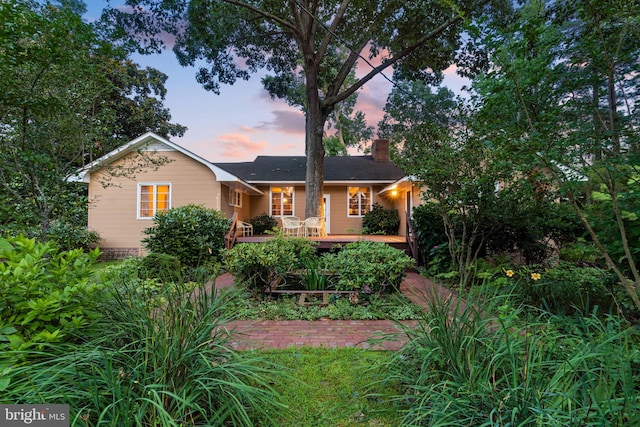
point(153, 198)
point(235, 198)
point(359, 201)
point(282, 201)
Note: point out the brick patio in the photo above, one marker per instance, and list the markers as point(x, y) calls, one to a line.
point(366, 334)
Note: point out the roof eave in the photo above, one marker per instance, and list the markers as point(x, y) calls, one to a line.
point(394, 185)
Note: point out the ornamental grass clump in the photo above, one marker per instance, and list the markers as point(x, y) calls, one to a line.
point(171, 365)
point(471, 364)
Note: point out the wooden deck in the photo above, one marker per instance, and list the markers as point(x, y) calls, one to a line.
point(327, 242)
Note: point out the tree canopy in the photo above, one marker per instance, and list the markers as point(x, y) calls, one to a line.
point(67, 96)
point(557, 106)
point(325, 39)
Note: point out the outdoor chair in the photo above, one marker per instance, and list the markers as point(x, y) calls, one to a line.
point(314, 227)
point(291, 226)
point(245, 228)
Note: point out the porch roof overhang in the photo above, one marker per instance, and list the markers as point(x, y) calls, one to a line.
point(326, 183)
point(404, 182)
point(242, 186)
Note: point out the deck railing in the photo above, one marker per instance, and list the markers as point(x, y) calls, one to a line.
point(232, 235)
point(412, 240)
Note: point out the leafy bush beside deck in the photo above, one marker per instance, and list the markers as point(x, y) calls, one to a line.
point(371, 267)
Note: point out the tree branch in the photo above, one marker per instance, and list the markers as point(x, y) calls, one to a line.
point(276, 19)
point(332, 29)
point(391, 61)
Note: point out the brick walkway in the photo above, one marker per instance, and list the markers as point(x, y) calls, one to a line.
point(366, 334)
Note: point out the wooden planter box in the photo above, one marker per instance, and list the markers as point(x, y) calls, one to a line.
point(303, 295)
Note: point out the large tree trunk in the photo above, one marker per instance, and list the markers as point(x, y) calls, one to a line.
point(314, 179)
point(315, 118)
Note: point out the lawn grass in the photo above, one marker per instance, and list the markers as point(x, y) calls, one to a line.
point(329, 387)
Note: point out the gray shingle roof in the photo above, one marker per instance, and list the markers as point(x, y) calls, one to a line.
point(293, 169)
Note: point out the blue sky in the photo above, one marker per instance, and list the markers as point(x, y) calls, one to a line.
point(243, 121)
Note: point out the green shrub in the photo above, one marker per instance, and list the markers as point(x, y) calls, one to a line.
point(192, 233)
point(368, 266)
point(164, 267)
point(71, 236)
point(263, 223)
point(566, 288)
point(581, 253)
point(380, 220)
point(44, 292)
point(433, 245)
point(260, 265)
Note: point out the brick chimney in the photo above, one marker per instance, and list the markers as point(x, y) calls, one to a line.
point(380, 150)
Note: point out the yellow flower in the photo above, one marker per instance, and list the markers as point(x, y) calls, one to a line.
point(509, 273)
point(535, 276)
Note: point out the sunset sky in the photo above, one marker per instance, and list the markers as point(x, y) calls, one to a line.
point(243, 121)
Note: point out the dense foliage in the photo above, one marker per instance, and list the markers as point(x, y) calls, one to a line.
point(368, 266)
point(192, 233)
point(67, 96)
point(552, 118)
point(167, 367)
point(70, 236)
point(431, 236)
point(262, 223)
point(562, 99)
point(45, 294)
point(381, 220)
point(263, 265)
point(567, 288)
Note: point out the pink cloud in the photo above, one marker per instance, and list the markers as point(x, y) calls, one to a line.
point(372, 99)
point(238, 146)
point(248, 129)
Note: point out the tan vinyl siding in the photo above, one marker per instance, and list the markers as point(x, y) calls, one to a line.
point(113, 210)
point(340, 222)
point(243, 212)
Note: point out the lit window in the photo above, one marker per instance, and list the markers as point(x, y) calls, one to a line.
point(153, 198)
point(235, 198)
point(281, 201)
point(359, 200)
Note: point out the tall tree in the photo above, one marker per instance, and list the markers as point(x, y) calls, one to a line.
point(563, 96)
point(436, 143)
point(238, 37)
point(66, 97)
